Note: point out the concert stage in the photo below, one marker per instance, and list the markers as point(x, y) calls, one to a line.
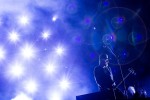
point(99, 96)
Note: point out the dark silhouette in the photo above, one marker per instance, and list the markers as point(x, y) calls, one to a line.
point(103, 74)
point(104, 79)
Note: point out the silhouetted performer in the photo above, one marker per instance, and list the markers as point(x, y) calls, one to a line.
point(103, 74)
point(104, 79)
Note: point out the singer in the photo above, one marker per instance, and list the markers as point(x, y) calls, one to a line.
point(104, 78)
point(103, 74)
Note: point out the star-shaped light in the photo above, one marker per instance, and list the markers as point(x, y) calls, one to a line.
point(64, 84)
point(16, 70)
point(13, 36)
point(50, 68)
point(28, 51)
point(31, 86)
point(23, 20)
point(54, 18)
point(46, 35)
point(60, 50)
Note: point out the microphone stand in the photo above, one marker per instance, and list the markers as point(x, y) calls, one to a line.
point(120, 70)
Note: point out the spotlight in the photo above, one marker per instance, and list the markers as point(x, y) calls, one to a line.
point(13, 36)
point(24, 20)
point(28, 51)
point(22, 96)
point(64, 84)
point(60, 50)
point(54, 18)
point(50, 68)
point(16, 70)
point(46, 35)
point(31, 86)
point(55, 96)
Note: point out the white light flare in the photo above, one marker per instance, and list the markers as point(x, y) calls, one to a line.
point(16, 70)
point(54, 18)
point(46, 35)
point(31, 86)
point(2, 53)
point(28, 51)
point(24, 20)
point(22, 96)
point(60, 50)
point(55, 96)
point(14, 36)
point(50, 69)
point(64, 84)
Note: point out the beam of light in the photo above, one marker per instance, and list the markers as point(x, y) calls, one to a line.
point(16, 70)
point(31, 86)
point(28, 51)
point(60, 50)
point(23, 20)
point(22, 96)
point(13, 36)
point(2, 53)
point(54, 18)
point(64, 84)
point(46, 35)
